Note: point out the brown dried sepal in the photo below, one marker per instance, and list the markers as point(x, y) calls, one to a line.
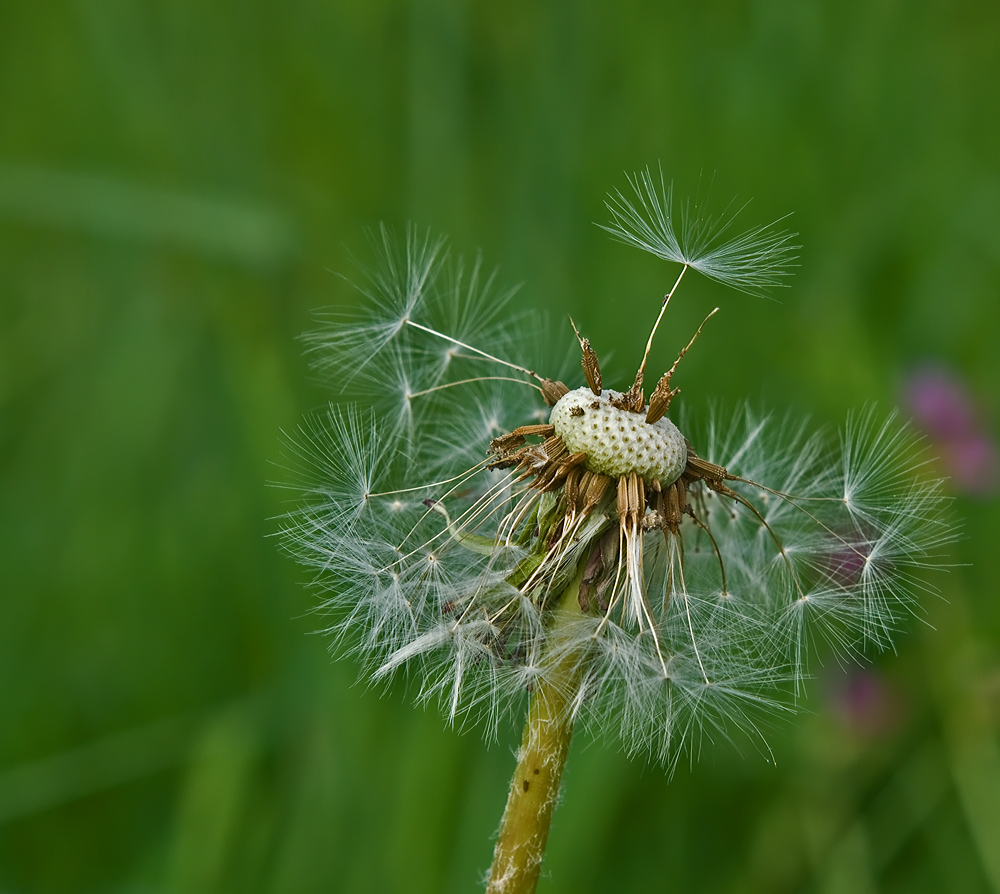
point(593, 487)
point(572, 488)
point(549, 463)
point(509, 449)
point(633, 400)
point(591, 367)
point(554, 448)
point(585, 489)
point(675, 504)
point(659, 400)
point(556, 472)
point(631, 501)
point(552, 392)
point(698, 469)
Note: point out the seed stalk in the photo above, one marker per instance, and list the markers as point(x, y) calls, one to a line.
point(534, 788)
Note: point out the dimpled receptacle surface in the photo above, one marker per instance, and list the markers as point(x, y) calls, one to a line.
point(616, 441)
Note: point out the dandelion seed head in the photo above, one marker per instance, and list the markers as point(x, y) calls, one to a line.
point(479, 528)
point(616, 441)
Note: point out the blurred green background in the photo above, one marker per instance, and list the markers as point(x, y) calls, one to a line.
point(179, 184)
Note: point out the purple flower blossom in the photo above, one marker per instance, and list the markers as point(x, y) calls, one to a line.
point(866, 703)
point(945, 410)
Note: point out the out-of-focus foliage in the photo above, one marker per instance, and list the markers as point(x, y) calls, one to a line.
point(177, 182)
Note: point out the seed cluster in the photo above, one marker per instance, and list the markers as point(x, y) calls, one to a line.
point(617, 441)
point(698, 586)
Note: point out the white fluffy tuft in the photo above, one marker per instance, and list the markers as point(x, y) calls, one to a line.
point(431, 563)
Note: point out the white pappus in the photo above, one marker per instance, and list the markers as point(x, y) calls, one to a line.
point(486, 527)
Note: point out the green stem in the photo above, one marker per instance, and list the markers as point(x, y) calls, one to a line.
point(534, 788)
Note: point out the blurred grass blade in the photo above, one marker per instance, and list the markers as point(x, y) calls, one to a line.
point(32, 787)
point(233, 229)
point(213, 802)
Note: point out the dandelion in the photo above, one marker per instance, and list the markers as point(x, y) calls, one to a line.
point(500, 535)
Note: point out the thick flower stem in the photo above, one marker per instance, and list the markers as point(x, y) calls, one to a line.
point(534, 789)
